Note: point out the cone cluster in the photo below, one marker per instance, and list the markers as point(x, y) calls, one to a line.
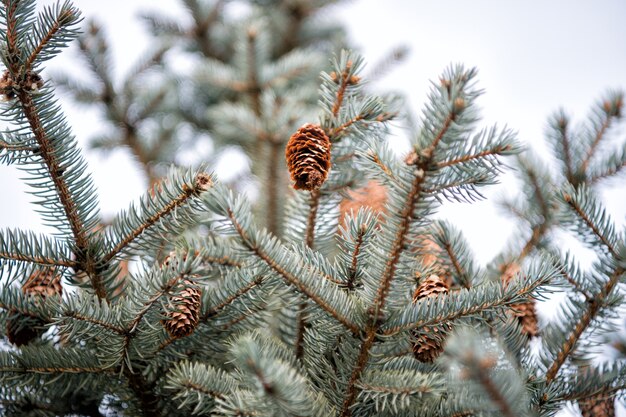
point(524, 312)
point(22, 329)
point(308, 157)
point(184, 311)
point(428, 343)
point(598, 406)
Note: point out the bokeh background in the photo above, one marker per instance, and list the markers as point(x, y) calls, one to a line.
point(534, 57)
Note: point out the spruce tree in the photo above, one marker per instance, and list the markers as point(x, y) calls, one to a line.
point(334, 292)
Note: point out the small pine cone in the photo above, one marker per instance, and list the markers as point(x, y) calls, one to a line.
point(372, 195)
point(524, 312)
point(23, 329)
point(598, 406)
point(184, 314)
point(308, 157)
point(428, 343)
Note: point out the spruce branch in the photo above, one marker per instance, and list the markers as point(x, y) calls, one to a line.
point(611, 109)
point(22, 246)
point(292, 279)
point(53, 31)
point(130, 226)
point(595, 227)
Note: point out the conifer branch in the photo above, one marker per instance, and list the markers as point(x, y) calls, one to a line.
point(57, 370)
point(594, 305)
point(397, 247)
point(50, 158)
point(343, 85)
point(40, 260)
point(293, 280)
point(596, 141)
point(202, 183)
point(68, 314)
point(582, 214)
point(355, 255)
point(213, 311)
point(466, 158)
point(456, 264)
point(56, 172)
point(16, 147)
point(567, 157)
point(66, 16)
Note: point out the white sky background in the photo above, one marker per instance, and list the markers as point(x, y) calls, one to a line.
point(534, 56)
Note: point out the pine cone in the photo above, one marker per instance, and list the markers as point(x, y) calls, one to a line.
point(524, 312)
point(372, 195)
point(429, 342)
point(308, 157)
point(23, 329)
point(184, 314)
point(598, 406)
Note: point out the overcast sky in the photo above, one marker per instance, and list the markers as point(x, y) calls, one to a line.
point(534, 56)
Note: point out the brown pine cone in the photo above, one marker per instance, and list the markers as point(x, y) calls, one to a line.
point(308, 157)
point(524, 312)
point(184, 312)
point(598, 406)
point(429, 342)
point(23, 329)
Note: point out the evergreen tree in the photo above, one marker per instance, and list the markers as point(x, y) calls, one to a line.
point(335, 293)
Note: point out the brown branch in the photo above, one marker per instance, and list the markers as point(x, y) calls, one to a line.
point(309, 236)
point(301, 324)
point(273, 183)
point(15, 147)
point(38, 260)
point(456, 264)
point(339, 129)
point(608, 173)
point(203, 390)
point(343, 84)
point(64, 17)
point(181, 199)
point(57, 370)
point(355, 254)
point(213, 311)
point(290, 278)
point(13, 51)
point(467, 158)
point(74, 315)
point(49, 156)
point(580, 213)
